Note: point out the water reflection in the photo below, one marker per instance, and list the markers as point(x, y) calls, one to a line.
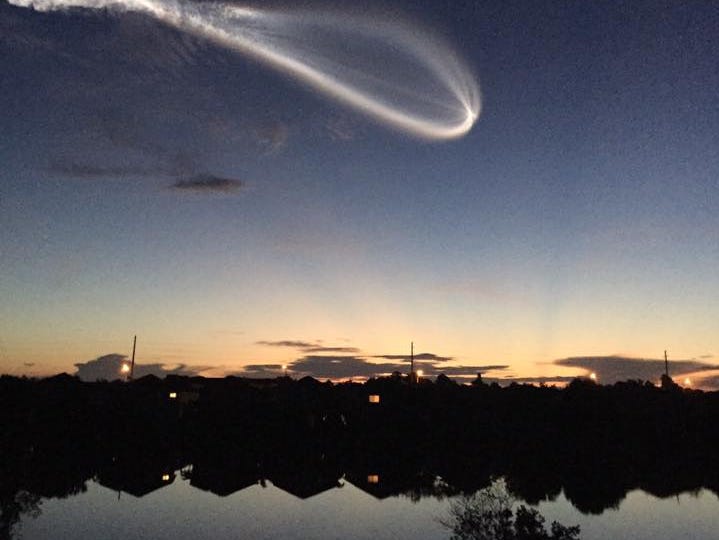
point(488, 514)
point(29, 476)
point(307, 439)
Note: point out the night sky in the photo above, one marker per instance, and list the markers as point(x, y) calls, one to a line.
point(235, 218)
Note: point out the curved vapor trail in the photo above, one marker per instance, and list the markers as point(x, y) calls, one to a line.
point(447, 108)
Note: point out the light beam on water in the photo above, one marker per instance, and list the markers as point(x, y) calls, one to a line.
point(391, 71)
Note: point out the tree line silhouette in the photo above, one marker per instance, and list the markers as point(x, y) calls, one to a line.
point(417, 439)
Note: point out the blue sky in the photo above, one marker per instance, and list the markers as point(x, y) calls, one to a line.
point(578, 218)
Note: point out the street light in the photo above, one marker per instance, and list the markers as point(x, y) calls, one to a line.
point(419, 373)
point(593, 376)
point(284, 369)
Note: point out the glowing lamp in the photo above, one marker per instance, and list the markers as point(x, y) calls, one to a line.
point(687, 382)
point(374, 398)
point(373, 478)
point(173, 395)
point(420, 373)
point(593, 376)
point(125, 368)
point(165, 477)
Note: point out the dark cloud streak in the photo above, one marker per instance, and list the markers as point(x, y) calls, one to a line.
point(417, 357)
point(287, 343)
point(208, 183)
point(308, 347)
point(347, 350)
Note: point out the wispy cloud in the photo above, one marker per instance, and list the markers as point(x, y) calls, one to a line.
point(272, 136)
point(462, 371)
point(347, 350)
point(228, 333)
point(204, 183)
point(309, 346)
point(340, 129)
point(287, 343)
point(430, 357)
point(89, 171)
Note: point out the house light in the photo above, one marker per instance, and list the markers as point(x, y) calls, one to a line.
point(173, 395)
point(165, 477)
point(125, 368)
point(373, 478)
point(374, 398)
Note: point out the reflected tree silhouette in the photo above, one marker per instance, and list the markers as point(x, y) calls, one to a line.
point(488, 515)
point(13, 506)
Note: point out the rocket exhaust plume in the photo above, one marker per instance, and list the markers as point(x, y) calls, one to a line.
point(386, 69)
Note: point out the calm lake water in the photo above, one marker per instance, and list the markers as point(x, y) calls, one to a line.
point(179, 510)
point(307, 460)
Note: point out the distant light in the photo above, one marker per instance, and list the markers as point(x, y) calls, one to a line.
point(284, 367)
point(125, 368)
point(687, 382)
point(165, 477)
point(374, 398)
point(593, 376)
point(373, 478)
point(420, 373)
point(173, 395)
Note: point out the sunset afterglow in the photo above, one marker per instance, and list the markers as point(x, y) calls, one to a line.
point(290, 190)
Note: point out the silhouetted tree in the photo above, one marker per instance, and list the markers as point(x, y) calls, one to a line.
point(487, 515)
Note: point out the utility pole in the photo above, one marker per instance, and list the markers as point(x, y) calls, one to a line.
point(132, 364)
point(666, 364)
point(411, 356)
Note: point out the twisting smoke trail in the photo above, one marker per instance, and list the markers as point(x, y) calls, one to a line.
point(387, 70)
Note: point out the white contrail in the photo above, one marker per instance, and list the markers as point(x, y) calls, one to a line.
point(433, 96)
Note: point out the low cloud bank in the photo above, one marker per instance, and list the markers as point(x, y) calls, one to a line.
point(109, 368)
point(611, 369)
point(351, 366)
